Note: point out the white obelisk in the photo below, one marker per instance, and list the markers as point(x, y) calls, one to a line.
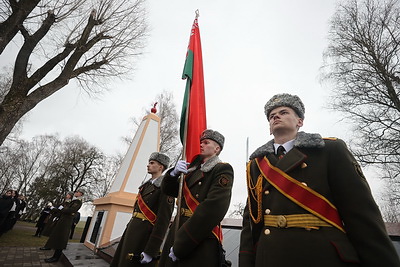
point(114, 211)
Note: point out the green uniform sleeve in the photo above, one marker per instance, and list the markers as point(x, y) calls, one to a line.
point(208, 214)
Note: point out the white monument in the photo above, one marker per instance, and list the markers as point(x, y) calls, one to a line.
point(113, 212)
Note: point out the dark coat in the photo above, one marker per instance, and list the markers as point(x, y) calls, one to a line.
point(77, 218)
point(140, 235)
point(42, 218)
point(59, 236)
point(195, 244)
point(21, 206)
point(6, 203)
point(51, 221)
point(331, 170)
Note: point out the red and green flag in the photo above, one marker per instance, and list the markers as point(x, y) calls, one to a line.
point(193, 117)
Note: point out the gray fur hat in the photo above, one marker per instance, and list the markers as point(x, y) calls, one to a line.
point(161, 158)
point(213, 135)
point(80, 190)
point(285, 100)
point(71, 194)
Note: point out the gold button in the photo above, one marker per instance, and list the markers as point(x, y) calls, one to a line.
point(304, 165)
point(267, 231)
point(266, 192)
point(267, 211)
point(303, 183)
point(281, 221)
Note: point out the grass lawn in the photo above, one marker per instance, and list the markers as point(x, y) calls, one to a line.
point(22, 236)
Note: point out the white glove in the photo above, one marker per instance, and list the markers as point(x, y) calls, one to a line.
point(145, 258)
point(60, 207)
point(180, 167)
point(172, 255)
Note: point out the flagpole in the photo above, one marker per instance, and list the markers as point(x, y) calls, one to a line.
point(182, 176)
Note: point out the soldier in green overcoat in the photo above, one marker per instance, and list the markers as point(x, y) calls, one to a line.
point(205, 200)
point(59, 236)
point(55, 215)
point(140, 243)
point(309, 203)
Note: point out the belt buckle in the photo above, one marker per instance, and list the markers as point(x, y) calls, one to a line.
point(281, 221)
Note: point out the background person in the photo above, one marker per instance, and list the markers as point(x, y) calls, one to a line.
point(59, 237)
point(12, 213)
point(43, 219)
point(55, 216)
point(76, 220)
point(6, 202)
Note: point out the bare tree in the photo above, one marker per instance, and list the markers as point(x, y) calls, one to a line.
point(238, 211)
point(105, 173)
point(363, 64)
point(88, 41)
point(169, 125)
point(5, 84)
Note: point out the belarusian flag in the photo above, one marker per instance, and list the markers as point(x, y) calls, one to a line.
point(193, 117)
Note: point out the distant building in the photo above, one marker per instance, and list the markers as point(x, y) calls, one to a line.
point(393, 230)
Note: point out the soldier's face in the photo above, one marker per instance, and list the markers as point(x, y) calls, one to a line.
point(284, 119)
point(209, 148)
point(154, 167)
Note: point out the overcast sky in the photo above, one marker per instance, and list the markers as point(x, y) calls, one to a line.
point(251, 51)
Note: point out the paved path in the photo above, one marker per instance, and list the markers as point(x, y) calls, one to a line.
point(76, 254)
point(25, 256)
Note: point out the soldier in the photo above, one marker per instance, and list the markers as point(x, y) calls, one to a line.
point(309, 203)
point(205, 201)
point(141, 242)
point(59, 236)
point(55, 215)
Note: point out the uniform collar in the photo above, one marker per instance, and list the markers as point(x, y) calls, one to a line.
point(288, 146)
point(156, 181)
point(302, 140)
point(210, 164)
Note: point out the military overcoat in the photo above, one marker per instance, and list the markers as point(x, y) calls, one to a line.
point(195, 244)
point(327, 167)
point(59, 236)
point(52, 221)
point(140, 235)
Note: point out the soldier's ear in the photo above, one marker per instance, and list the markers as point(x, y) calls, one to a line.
point(300, 122)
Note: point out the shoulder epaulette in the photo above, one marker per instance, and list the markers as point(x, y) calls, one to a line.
point(330, 138)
